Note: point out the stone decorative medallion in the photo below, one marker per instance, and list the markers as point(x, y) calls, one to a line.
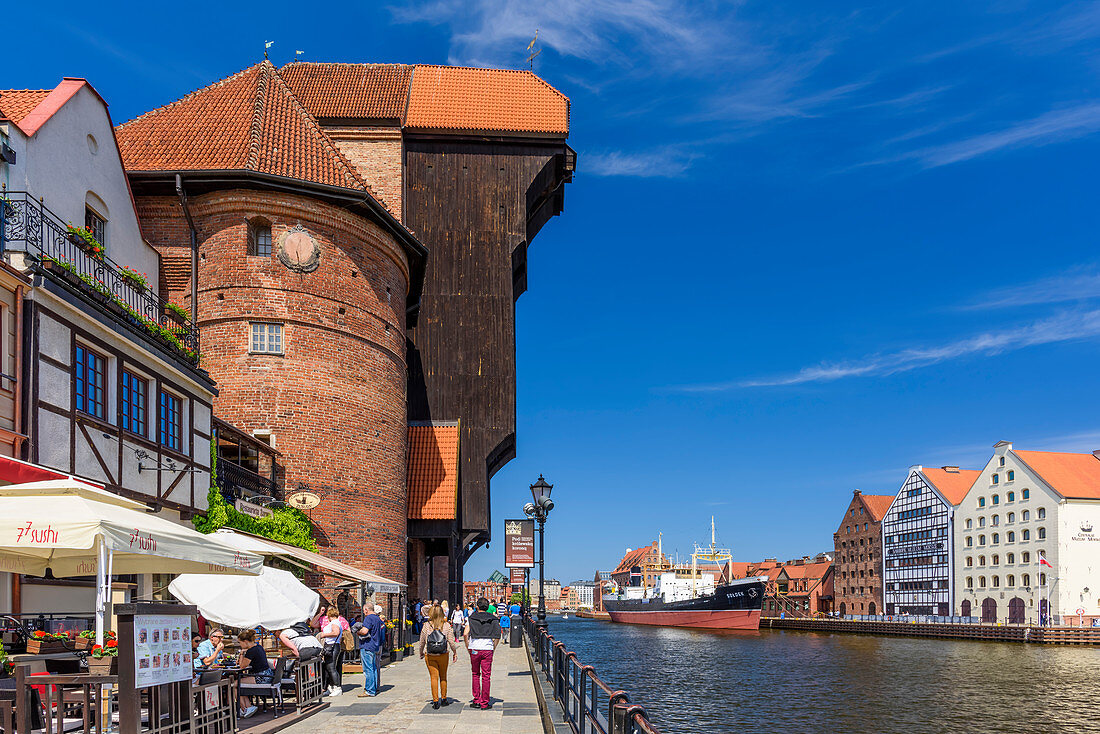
point(298, 250)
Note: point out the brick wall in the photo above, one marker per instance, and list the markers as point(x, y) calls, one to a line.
point(335, 402)
point(857, 561)
point(376, 154)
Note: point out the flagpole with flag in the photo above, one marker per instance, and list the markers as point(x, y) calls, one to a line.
point(267, 45)
point(1046, 587)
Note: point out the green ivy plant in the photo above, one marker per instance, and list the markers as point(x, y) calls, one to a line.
point(286, 524)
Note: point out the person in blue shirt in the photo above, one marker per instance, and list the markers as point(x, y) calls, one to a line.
point(370, 634)
point(505, 624)
point(515, 610)
point(210, 650)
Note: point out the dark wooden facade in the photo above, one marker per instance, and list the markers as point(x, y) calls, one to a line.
point(476, 204)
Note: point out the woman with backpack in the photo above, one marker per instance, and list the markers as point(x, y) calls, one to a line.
point(437, 639)
point(330, 635)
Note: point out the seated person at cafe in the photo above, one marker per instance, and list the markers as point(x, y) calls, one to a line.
point(253, 661)
point(301, 642)
point(209, 651)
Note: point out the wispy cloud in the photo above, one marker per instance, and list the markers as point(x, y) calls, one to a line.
point(1068, 326)
point(1055, 126)
point(1080, 284)
point(664, 163)
point(600, 31)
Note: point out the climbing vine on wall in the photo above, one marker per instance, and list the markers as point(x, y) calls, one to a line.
point(286, 524)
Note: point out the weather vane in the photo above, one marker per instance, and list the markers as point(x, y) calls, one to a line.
point(298, 55)
point(532, 54)
point(267, 45)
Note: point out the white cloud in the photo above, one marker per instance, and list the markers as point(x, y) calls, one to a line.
point(1077, 285)
point(1069, 326)
point(664, 163)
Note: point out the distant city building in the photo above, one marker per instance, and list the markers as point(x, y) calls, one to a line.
point(551, 590)
point(491, 590)
point(584, 591)
point(1024, 506)
point(918, 548)
point(858, 552)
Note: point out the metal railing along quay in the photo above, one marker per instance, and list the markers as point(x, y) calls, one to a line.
point(589, 705)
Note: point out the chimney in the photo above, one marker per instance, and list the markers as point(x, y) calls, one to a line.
point(951, 469)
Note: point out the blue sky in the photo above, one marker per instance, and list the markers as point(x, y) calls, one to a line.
point(808, 245)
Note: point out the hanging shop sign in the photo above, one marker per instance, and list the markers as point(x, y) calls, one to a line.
point(519, 543)
point(303, 500)
point(517, 576)
point(252, 510)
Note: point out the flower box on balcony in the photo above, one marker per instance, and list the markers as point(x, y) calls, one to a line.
point(134, 279)
point(62, 270)
point(176, 313)
point(86, 241)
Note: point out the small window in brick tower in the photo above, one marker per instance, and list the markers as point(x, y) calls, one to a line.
point(267, 338)
point(259, 237)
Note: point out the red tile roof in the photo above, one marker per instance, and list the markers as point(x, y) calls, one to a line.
point(1075, 476)
point(877, 505)
point(249, 121)
point(15, 104)
point(953, 484)
point(634, 557)
point(350, 91)
point(807, 570)
point(433, 472)
point(462, 98)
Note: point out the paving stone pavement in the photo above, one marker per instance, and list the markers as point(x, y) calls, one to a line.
point(404, 701)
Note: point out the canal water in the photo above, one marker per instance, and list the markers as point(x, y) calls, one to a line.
point(787, 681)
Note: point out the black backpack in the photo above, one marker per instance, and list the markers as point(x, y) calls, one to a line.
point(437, 643)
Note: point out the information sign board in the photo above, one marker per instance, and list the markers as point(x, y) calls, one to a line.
point(162, 649)
point(519, 543)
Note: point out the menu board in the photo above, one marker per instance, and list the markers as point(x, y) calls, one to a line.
point(162, 649)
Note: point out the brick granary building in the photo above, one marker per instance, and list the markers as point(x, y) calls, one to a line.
point(356, 235)
point(858, 555)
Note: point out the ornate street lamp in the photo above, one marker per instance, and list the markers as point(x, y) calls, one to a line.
point(538, 510)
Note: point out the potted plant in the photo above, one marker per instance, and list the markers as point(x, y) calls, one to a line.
point(137, 281)
point(176, 313)
point(46, 642)
point(83, 238)
point(85, 640)
point(104, 658)
point(6, 665)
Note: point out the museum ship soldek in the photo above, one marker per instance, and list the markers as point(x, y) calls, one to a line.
point(688, 597)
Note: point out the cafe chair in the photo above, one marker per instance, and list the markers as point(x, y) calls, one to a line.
point(264, 691)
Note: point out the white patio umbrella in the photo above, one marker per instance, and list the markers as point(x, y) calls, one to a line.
point(75, 529)
point(274, 599)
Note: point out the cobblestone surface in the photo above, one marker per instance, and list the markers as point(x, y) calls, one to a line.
point(404, 701)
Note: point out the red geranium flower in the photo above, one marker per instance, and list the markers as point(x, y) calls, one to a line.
point(38, 634)
point(96, 647)
point(112, 643)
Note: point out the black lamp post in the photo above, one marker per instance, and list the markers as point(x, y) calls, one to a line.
point(539, 509)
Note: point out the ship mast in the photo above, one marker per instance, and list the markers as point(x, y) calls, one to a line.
point(714, 555)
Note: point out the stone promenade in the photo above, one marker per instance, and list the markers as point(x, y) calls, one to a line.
point(404, 701)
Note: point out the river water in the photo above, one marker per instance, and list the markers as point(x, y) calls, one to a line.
point(787, 681)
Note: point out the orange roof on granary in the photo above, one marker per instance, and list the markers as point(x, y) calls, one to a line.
point(433, 471)
point(504, 100)
point(250, 121)
point(634, 557)
point(1075, 476)
point(350, 91)
point(15, 104)
point(953, 483)
point(877, 505)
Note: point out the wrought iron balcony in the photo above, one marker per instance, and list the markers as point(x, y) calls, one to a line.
point(236, 482)
point(27, 227)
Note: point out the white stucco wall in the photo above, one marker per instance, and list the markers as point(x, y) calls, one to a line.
point(1078, 554)
point(57, 164)
point(1040, 496)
